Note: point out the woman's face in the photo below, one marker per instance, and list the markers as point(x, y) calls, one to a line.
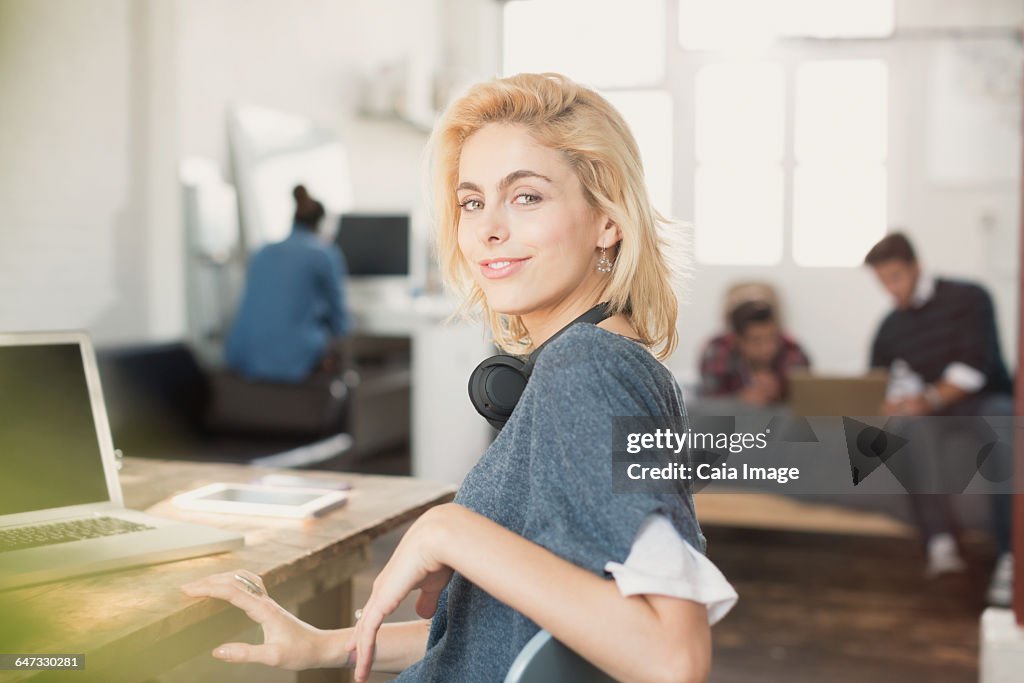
point(525, 229)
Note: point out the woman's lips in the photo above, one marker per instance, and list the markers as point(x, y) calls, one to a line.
point(495, 269)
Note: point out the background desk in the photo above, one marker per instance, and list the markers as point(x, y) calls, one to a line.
point(134, 624)
point(448, 436)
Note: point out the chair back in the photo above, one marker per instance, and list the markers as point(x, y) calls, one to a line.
point(545, 660)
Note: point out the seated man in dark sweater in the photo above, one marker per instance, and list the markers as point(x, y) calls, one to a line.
point(941, 346)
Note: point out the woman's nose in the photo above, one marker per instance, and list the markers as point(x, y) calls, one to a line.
point(493, 226)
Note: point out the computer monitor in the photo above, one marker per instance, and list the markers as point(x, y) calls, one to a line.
point(375, 245)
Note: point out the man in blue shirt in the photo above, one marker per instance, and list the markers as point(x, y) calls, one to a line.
point(293, 309)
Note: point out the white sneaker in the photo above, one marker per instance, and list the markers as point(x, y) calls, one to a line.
point(1000, 588)
point(943, 556)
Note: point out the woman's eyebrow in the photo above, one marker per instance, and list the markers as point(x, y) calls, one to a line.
point(506, 181)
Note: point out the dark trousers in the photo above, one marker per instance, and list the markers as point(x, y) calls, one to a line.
point(337, 358)
point(933, 458)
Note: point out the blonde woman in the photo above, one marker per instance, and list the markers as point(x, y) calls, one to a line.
point(542, 213)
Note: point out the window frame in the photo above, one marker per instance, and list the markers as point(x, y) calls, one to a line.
point(789, 54)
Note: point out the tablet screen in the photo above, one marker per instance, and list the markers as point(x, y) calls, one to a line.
point(265, 497)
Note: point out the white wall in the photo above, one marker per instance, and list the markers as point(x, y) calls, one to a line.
point(305, 58)
point(958, 13)
point(70, 218)
point(308, 57)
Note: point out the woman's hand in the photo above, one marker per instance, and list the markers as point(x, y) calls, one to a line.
point(416, 563)
point(288, 642)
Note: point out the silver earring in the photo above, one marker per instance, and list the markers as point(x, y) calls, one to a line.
point(604, 264)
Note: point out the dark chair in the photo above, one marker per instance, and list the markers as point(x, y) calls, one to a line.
point(545, 660)
point(159, 402)
point(156, 395)
point(315, 407)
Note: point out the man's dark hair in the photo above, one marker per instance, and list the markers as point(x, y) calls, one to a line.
point(749, 313)
point(893, 247)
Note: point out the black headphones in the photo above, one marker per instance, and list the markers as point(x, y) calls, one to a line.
point(497, 383)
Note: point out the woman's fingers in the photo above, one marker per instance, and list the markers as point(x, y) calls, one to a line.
point(226, 587)
point(402, 575)
point(288, 642)
point(366, 640)
point(241, 653)
point(411, 566)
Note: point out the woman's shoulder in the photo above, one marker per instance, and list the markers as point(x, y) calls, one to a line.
point(587, 343)
point(592, 355)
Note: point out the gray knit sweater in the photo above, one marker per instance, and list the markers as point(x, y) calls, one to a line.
point(548, 478)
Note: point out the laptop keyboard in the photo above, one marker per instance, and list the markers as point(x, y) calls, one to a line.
point(65, 532)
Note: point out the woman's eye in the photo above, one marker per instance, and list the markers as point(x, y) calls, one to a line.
point(526, 198)
point(471, 205)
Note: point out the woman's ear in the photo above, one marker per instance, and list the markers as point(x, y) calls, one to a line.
point(611, 234)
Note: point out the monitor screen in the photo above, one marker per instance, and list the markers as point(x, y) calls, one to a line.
point(49, 450)
point(374, 244)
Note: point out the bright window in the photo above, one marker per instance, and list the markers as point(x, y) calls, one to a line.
point(836, 162)
point(841, 110)
point(648, 114)
point(738, 210)
point(739, 112)
point(839, 183)
point(738, 214)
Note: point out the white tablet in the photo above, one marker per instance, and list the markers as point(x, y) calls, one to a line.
point(255, 499)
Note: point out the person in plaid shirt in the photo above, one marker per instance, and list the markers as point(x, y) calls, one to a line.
point(752, 361)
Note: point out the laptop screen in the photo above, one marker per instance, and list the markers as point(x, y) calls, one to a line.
point(49, 450)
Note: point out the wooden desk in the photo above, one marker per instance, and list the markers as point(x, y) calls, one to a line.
point(134, 624)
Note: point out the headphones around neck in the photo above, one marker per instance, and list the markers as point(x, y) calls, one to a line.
point(497, 382)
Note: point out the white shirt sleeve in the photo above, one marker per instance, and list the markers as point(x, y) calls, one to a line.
point(662, 562)
point(964, 377)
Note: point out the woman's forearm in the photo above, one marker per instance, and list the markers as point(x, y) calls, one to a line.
point(633, 639)
point(399, 646)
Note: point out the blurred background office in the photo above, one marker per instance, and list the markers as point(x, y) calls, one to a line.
point(150, 147)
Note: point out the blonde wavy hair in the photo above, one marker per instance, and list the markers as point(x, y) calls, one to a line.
point(597, 143)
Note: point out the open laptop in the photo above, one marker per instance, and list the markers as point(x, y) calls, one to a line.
point(812, 394)
point(61, 510)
